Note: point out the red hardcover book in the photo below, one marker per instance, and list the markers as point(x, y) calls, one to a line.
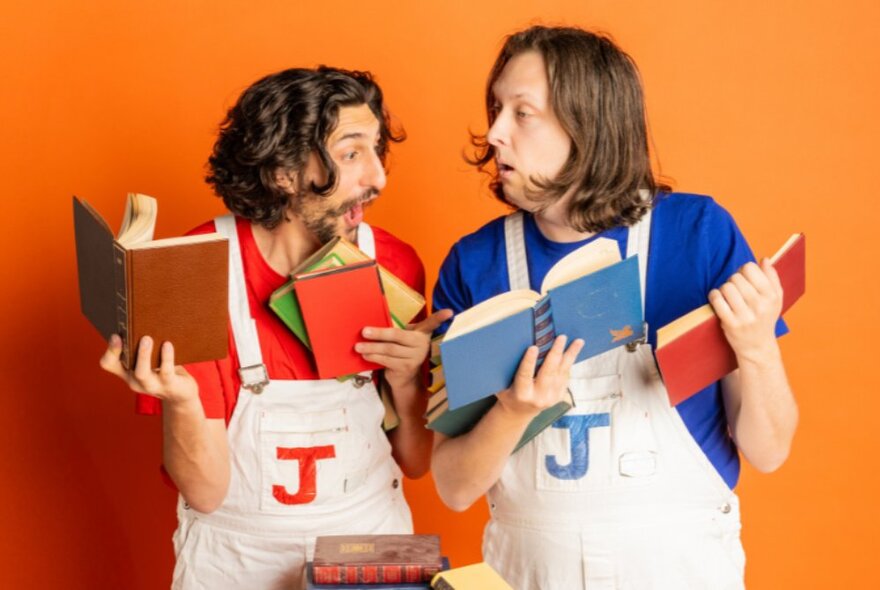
point(693, 352)
point(376, 559)
point(337, 304)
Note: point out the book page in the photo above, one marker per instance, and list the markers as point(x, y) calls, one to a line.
point(785, 247)
point(139, 222)
point(587, 259)
point(496, 308)
point(179, 241)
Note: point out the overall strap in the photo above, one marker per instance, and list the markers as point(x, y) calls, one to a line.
point(638, 242)
point(244, 329)
point(515, 243)
point(365, 240)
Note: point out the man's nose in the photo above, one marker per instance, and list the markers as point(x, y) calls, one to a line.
point(498, 132)
point(374, 175)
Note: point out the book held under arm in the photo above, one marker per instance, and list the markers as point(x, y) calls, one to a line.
point(590, 294)
point(693, 352)
point(172, 289)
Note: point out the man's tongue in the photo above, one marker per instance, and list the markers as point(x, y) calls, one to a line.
point(354, 216)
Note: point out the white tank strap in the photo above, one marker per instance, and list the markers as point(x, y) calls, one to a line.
point(244, 329)
point(365, 240)
point(515, 243)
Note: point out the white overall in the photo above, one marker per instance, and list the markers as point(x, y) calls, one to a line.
point(307, 458)
point(617, 493)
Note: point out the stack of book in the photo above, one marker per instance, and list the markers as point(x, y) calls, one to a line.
point(378, 562)
point(332, 296)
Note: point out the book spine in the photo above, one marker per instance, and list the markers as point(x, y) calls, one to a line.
point(373, 574)
point(545, 330)
point(120, 279)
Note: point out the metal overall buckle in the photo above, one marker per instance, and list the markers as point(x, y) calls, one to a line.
point(634, 345)
point(254, 378)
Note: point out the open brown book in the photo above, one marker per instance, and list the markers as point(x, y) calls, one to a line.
point(171, 290)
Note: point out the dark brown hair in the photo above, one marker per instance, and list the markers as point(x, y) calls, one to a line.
point(596, 94)
point(275, 124)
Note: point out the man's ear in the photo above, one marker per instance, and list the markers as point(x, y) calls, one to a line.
point(286, 180)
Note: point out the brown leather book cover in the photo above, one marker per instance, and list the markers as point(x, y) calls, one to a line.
point(377, 559)
point(172, 290)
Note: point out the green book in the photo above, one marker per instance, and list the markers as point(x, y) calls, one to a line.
point(285, 304)
point(452, 423)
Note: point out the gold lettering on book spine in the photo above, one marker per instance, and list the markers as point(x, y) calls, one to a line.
point(357, 548)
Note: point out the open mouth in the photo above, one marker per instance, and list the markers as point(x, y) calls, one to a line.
point(354, 215)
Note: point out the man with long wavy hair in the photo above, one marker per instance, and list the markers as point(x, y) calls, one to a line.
point(624, 491)
point(264, 454)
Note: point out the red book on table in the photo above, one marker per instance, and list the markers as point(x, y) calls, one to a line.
point(693, 352)
point(337, 304)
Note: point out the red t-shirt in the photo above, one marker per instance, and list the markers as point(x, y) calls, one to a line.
point(284, 355)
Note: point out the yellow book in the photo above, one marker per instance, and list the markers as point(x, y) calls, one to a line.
point(479, 576)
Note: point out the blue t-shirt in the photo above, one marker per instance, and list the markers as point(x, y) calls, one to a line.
point(695, 247)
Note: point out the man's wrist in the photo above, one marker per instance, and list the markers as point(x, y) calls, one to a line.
point(514, 416)
point(760, 357)
point(182, 405)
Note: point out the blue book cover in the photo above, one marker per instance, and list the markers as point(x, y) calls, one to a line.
point(604, 308)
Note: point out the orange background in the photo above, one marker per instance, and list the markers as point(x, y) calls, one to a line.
point(768, 108)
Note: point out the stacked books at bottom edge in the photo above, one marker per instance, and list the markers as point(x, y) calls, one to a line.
point(311, 585)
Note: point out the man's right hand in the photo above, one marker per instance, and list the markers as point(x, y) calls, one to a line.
point(169, 383)
point(530, 394)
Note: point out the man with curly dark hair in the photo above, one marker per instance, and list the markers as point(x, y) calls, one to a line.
point(624, 491)
point(264, 454)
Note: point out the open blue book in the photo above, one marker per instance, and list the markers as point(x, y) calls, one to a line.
point(590, 294)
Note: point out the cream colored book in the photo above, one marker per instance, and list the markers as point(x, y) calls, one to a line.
point(479, 576)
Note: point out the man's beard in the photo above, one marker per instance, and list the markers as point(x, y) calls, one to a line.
point(324, 224)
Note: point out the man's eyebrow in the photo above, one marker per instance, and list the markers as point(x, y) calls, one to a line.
point(361, 135)
point(521, 95)
point(352, 135)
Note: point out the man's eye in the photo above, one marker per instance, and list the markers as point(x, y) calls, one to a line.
point(523, 115)
point(349, 155)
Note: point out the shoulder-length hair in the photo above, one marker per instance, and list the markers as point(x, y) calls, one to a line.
point(275, 124)
point(596, 93)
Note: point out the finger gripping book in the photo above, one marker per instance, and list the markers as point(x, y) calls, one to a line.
point(693, 352)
